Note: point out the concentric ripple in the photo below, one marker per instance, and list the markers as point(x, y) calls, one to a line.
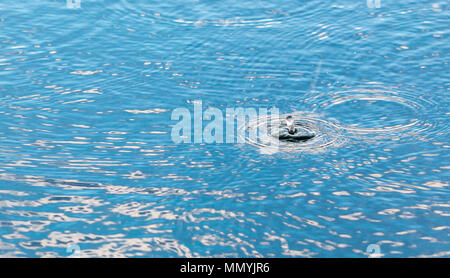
point(326, 134)
point(376, 112)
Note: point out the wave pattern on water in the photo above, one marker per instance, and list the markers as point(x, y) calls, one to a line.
point(374, 111)
point(86, 157)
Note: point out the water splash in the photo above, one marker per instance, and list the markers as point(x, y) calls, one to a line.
point(322, 134)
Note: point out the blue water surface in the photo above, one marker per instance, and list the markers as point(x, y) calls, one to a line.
point(88, 165)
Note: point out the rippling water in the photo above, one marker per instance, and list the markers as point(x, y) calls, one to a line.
point(87, 162)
